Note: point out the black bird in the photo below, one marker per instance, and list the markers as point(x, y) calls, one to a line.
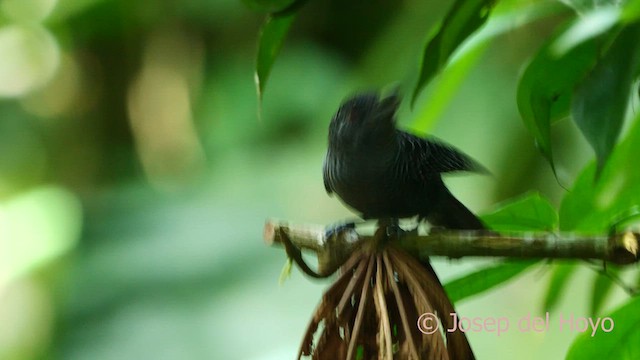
point(385, 173)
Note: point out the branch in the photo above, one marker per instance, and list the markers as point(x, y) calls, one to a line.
point(620, 248)
point(331, 252)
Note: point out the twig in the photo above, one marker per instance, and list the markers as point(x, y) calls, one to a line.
point(620, 248)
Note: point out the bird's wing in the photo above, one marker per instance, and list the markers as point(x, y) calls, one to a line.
point(426, 157)
point(325, 177)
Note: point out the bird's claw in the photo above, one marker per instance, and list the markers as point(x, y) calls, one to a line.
point(394, 230)
point(336, 229)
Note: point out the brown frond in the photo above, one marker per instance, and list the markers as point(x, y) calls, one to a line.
point(372, 310)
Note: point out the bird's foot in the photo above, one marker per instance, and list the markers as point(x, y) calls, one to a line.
point(395, 231)
point(335, 229)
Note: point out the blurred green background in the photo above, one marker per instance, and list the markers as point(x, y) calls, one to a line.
point(136, 174)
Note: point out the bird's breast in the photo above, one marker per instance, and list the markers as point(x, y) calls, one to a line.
point(365, 184)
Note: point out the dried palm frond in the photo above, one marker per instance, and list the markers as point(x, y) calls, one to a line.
point(372, 311)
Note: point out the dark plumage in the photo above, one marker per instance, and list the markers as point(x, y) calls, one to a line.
point(382, 172)
point(385, 173)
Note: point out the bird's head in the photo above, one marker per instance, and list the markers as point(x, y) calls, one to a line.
point(364, 120)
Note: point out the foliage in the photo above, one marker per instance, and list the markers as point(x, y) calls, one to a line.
point(586, 71)
point(135, 176)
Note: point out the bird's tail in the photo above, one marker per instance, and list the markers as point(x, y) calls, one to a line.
point(452, 214)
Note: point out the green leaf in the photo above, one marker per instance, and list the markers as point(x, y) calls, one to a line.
point(600, 101)
point(445, 86)
point(585, 6)
point(485, 279)
point(465, 17)
point(528, 212)
point(619, 343)
point(561, 275)
point(602, 286)
point(286, 271)
point(593, 206)
point(592, 24)
point(546, 87)
point(272, 37)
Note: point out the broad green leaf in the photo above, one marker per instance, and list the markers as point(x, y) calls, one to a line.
point(471, 52)
point(465, 17)
point(504, 21)
point(446, 87)
point(600, 101)
point(561, 275)
point(593, 206)
point(272, 37)
point(585, 6)
point(587, 27)
point(546, 88)
point(528, 212)
point(620, 342)
point(485, 279)
point(602, 286)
